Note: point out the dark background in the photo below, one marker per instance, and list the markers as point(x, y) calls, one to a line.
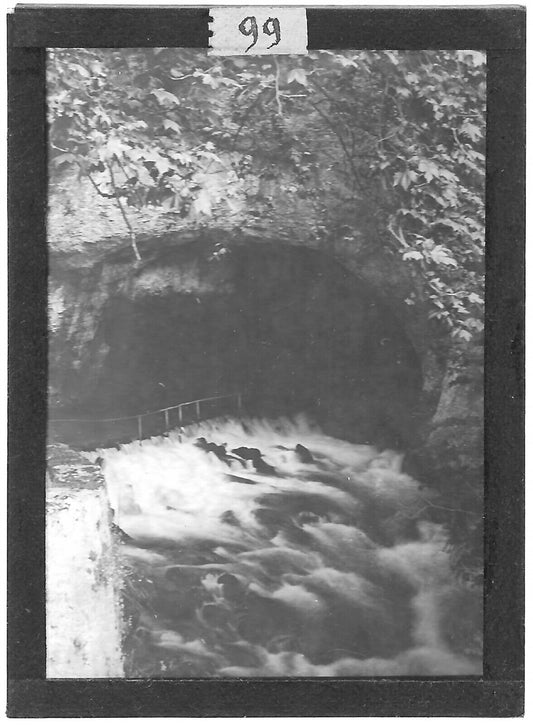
point(500, 31)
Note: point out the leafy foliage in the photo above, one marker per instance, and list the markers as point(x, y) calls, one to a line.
point(387, 146)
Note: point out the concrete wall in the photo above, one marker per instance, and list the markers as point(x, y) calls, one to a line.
point(83, 611)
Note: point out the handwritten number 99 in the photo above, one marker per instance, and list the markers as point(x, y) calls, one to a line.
point(248, 27)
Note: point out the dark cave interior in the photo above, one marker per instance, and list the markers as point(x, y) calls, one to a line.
point(291, 329)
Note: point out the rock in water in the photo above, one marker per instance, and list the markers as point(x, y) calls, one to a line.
point(249, 454)
point(255, 455)
point(232, 588)
point(219, 451)
point(228, 517)
point(262, 467)
point(303, 454)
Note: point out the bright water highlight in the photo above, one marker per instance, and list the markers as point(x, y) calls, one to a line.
point(329, 567)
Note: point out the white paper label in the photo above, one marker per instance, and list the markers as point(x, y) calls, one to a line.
point(258, 30)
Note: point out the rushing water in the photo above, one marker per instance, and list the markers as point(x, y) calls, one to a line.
point(322, 567)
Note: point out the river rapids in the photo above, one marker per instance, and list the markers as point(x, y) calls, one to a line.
point(316, 558)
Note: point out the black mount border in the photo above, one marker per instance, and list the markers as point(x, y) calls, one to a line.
point(500, 31)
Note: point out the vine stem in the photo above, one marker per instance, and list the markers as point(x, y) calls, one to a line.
point(115, 195)
point(276, 86)
point(133, 241)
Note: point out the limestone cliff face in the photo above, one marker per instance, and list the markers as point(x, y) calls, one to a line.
point(118, 326)
point(450, 456)
point(453, 446)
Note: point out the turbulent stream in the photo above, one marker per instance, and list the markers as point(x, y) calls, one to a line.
point(314, 558)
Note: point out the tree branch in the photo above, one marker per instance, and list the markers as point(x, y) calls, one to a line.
point(123, 212)
point(399, 237)
point(349, 158)
point(87, 174)
point(244, 119)
point(276, 86)
point(95, 185)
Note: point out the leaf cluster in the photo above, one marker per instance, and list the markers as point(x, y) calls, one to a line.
point(387, 145)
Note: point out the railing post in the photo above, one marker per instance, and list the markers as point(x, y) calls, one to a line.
point(140, 427)
point(167, 424)
point(198, 409)
point(180, 414)
point(239, 401)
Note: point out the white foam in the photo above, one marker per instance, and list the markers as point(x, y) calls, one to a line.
point(312, 553)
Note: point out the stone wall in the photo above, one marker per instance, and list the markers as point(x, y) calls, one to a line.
point(83, 610)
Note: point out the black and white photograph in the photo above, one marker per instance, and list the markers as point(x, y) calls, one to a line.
point(265, 363)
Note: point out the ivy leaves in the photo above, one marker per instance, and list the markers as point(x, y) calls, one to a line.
point(436, 162)
point(371, 145)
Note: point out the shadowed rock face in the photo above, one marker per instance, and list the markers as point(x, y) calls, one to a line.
point(453, 448)
point(289, 327)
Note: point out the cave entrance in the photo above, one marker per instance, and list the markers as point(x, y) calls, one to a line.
point(289, 328)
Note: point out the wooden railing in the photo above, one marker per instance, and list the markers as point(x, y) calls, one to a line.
point(84, 432)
